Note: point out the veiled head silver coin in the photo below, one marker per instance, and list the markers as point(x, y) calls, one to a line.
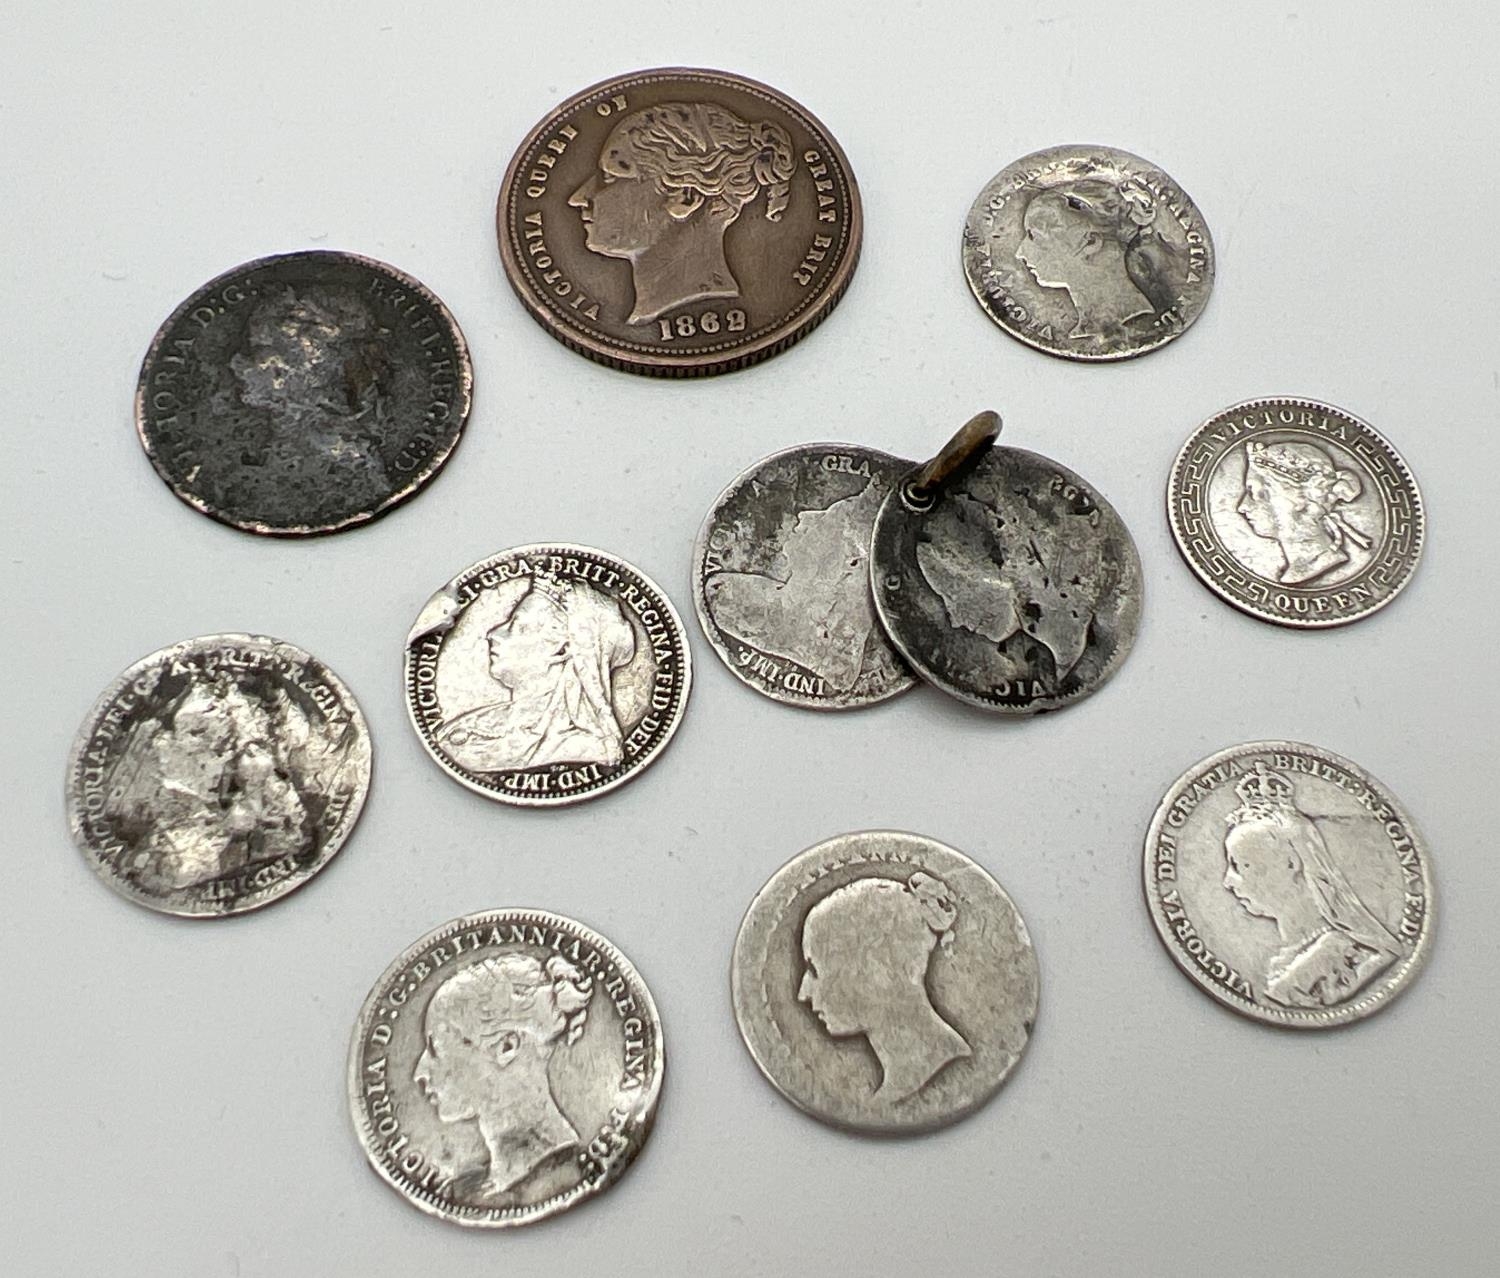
point(303, 393)
point(884, 982)
point(1289, 884)
point(215, 776)
point(1088, 252)
point(547, 674)
point(781, 578)
point(505, 1068)
point(1296, 512)
point(1013, 585)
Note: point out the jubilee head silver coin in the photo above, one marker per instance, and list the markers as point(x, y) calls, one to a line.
point(216, 775)
point(1003, 578)
point(781, 578)
point(1296, 512)
point(505, 1068)
point(304, 393)
point(1289, 884)
point(547, 674)
point(884, 982)
point(1088, 252)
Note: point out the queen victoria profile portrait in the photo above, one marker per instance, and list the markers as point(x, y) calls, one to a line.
point(1292, 495)
point(866, 948)
point(671, 181)
point(207, 790)
point(490, 1032)
point(1278, 867)
point(1099, 239)
point(552, 662)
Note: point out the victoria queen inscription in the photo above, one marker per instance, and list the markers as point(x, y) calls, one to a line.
point(547, 674)
point(679, 222)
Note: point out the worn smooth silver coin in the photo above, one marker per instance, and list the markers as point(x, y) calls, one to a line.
point(884, 982)
point(1290, 884)
point(1012, 584)
point(304, 393)
point(781, 578)
point(1088, 252)
point(1296, 512)
point(505, 1068)
point(217, 775)
point(547, 674)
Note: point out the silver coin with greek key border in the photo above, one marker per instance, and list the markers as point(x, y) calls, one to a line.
point(781, 578)
point(304, 393)
point(884, 982)
point(505, 1068)
point(1015, 587)
point(218, 774)
point(1296, 512)
point(1289, 884)
point(1088, 252)
point(547, 674)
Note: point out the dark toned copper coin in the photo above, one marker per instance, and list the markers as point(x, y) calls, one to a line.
point(679, 222)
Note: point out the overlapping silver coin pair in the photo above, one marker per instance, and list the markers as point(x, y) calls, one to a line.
point(508, 1064)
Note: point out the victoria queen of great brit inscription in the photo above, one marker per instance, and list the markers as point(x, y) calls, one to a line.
point(679, 222)
point(215, 776)
point(1289, 884)
point(505, 1068)
point(304, 393)
point(1296, 512)
point(547, 674)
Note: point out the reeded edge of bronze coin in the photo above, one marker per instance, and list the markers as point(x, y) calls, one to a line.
point(285, 887)
point(786, 334)
point(463, 396)
point(1180, 537)
point(712, 630)
point(626, 773)
point(1356, 1009)
point(645, 1107)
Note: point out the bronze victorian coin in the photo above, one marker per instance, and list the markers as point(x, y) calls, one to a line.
point(679, 222)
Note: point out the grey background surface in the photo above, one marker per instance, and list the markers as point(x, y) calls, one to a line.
point(173, 1099)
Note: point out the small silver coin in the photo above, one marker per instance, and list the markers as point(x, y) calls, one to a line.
point(1088, 252)
point(547, 674)
point(505, 1068)
point(1013, 586)
point(1290, 884)
point(215, 776)
point(304, 393)
point(781, 578)
point(1296, 512)
point(884, 982)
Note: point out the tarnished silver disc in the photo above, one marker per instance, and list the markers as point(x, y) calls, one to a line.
point(1088, 252)
point(1017, 589)
point(884, 982)
point(1290, 884)
point(304, 393)
point(547, 674)
point(1296, 512)
point(781, 578)
point(505, 1068)
point(215, 776)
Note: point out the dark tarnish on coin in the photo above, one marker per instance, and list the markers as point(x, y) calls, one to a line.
point(304, 393)
point(1016, 588)
point(679, 222)
point(884, 982)
point(1289, 884)
point(547, 674)
point(217, 775)
point(1296, 512)
point(505, 1068)
point(781, 577)
point(1088, 252)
